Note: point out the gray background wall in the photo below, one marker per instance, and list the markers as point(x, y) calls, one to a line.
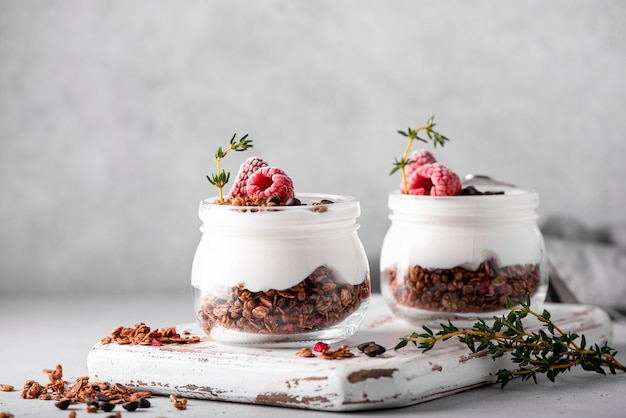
point(111, 111)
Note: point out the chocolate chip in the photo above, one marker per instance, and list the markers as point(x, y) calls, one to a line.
point(473, 191)
point(326, 202)
point(63, 404)
point(373, 350)
point(130, 406)
point(274, 199)
point(101, 397)
point(293, 201)
point(92, 402)
point(362, 346)
point(144, 403)
point(106, 406)
point(470, 191)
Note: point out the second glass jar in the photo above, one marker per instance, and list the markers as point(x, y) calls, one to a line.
point(458, 257)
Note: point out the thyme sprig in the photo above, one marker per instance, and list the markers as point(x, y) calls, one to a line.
point(413, 135)
point(548, 350)
point(220, 179)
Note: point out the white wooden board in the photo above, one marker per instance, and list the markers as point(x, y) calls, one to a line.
point(213, 371)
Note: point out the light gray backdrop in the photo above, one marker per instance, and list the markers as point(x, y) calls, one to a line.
point(111, 111)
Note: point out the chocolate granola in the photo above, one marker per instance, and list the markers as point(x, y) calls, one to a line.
point(317, 302)
point(461, 290)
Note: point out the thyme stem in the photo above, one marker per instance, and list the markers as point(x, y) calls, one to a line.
point(412, 135)
point(552, 352)
point(221, 178)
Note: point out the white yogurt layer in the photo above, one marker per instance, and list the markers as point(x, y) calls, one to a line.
point(278, 247)
point(450, 231)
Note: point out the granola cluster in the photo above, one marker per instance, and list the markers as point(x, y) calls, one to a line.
point(460, 290)
point(257, 201)
point(340, 352)
point(141, 334)
point(318, 302)
point(80, 391)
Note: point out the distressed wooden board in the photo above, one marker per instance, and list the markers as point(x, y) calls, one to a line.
point(213, 371)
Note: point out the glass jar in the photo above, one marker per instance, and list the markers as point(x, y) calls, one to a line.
point(458, 257)
point(281, 275)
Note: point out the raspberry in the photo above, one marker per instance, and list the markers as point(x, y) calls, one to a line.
point(246, 169)
point(418, 158)
point(320, 347)
point(434, 179)
point(270, 181)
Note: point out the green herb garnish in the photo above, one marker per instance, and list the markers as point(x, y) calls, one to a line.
point(412, 134)
point(220, 179)
point(550, 350)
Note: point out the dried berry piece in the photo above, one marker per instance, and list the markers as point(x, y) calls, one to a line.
point(320, 347)
point(63, 404)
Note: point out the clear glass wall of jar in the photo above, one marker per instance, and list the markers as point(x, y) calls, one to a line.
point(459, 257)
point(281, 275)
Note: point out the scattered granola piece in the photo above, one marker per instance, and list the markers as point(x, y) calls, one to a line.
point(305, 352)
point(141, 334)
point(341, 352)
point(96, 394)
point(6, 388)
point(179, 404)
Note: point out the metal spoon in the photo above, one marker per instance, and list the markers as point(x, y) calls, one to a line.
point(481, 179)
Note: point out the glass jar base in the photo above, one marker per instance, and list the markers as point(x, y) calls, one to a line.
point(434, 319)
point(333, 334)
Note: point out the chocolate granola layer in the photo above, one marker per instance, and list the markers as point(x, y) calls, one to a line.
point(317, 302)
point(461, 290)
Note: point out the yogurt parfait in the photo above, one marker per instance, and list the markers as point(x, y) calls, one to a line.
point(459, 250)
point(278, 268)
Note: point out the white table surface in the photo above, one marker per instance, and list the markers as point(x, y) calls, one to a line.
point(38, 333)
